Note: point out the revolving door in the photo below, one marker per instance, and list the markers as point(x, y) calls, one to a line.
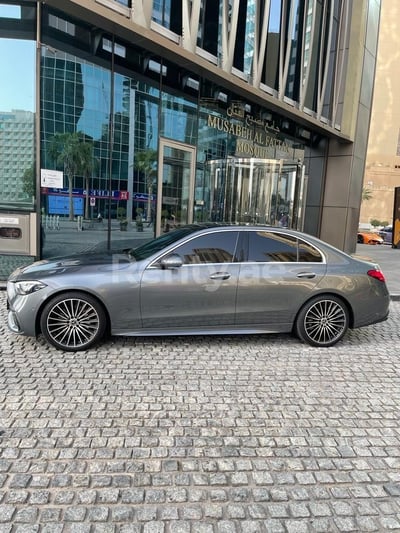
point(256, 191)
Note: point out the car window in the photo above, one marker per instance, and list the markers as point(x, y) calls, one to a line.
point(267, 246)
point(308, 253)
point(156, 245)
point(217, 247)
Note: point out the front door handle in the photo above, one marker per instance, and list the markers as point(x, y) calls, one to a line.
point(220, 275)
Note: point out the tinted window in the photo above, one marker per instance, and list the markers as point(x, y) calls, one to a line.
point(308, 254)
point(276, 247)
point(212, 248)
point(156, 245)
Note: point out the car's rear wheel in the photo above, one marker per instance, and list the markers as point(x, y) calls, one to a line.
point(323, 321)
point(73, 321)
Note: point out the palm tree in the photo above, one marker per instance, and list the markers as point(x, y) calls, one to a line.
point(145, 162)
point(87, 164)
point(65, 150)
point(28, 181)
point(366, 194)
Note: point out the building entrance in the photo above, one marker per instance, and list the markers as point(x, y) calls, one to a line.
point(255, 191)
point(176, 170)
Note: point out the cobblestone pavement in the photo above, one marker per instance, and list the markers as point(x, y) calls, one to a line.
point(208, 435)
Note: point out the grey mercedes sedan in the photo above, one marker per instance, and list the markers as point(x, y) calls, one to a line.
point(200, 279)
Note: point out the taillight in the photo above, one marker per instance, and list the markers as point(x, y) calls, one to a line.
point(377, 274)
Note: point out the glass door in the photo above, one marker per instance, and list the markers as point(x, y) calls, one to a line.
point(176, 170)
point(256, 191)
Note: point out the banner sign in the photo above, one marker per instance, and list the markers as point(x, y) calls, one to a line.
point(143, 197)
point(94, 193)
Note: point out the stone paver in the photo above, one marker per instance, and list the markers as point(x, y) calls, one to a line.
point(201, 434)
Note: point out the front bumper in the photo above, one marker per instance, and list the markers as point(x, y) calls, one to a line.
point(22, 311)
point(13, 323)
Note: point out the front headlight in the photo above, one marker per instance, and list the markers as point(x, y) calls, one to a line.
point(28, 287)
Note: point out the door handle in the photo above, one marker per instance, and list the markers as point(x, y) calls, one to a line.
point(220, 275)
point(307, 275)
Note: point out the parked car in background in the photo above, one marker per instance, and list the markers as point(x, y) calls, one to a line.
point(386, 234)
point(200, 279)
point(369, 237)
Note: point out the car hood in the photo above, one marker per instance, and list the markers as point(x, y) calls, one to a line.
point(69, 264)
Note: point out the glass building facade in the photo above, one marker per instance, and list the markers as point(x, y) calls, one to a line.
point(233, 111)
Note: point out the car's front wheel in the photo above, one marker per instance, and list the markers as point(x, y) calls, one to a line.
point(323, 321)
point(73, 321)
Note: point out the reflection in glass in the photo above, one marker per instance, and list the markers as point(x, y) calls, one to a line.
point(210, 248)
point(295, 54)
point(168, 13)
point(209, 26)
point(80, 98)
point(254, 191)
point(271, 71)
point(10, 12)
point(176, 187)
point(17, 124)
point(249, 38)
point(312, 53)
point(178, 119)
point(123, 2)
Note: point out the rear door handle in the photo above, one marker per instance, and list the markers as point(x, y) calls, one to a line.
point(220, 275)
point(307, 275)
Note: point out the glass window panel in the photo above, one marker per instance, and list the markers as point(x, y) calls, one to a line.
point(293, 80)
point(312, 53)
point(10, 12)
point(179, 119)
point(213, 248)
point(17, 113)
point(209, 26)
point(143, 159)
point(135, 128)
point(308, 254)
point(244, 36)
point(75, 100)
point(331, 57)
point(249, 37)
point(271, 72)
point(62, 25)
point(276, 247)
point(168, 13)
point(270, 247)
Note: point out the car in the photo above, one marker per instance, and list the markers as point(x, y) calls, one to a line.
point(369, 237)
point(386, 234)
point(200, 279)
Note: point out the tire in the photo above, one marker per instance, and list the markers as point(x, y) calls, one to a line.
point(73, 321)
point(360, 239)
point(323, 321)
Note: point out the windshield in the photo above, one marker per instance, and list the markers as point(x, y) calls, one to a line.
point(156, 245)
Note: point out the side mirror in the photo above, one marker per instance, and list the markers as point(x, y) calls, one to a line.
point(171, 261)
